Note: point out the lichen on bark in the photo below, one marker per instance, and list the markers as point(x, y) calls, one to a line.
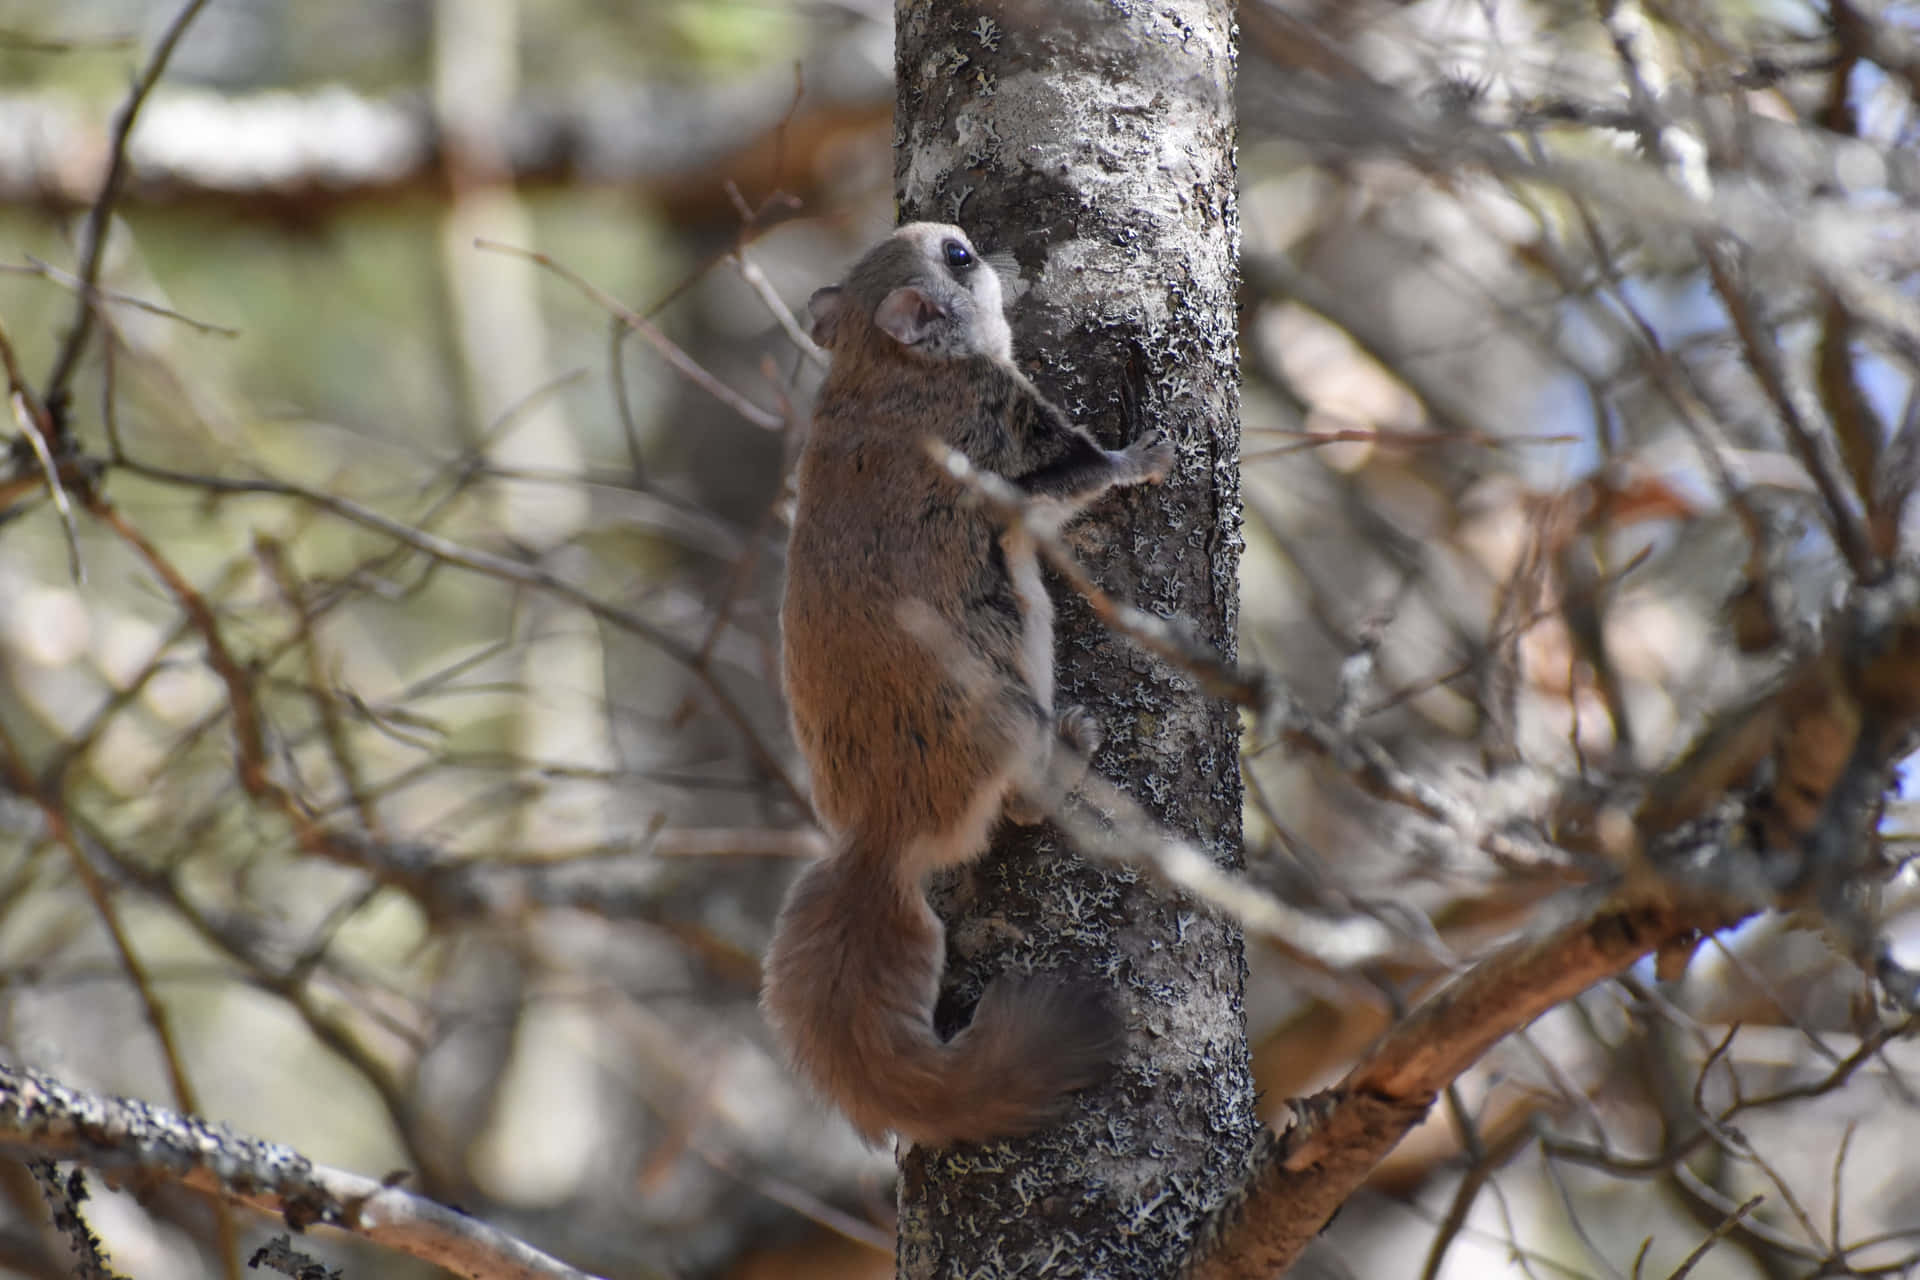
point(1093, 144)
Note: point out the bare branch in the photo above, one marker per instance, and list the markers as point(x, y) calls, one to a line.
point(124, 1136)
point(1296, 1181)
point(93, 235)
point(668, 349)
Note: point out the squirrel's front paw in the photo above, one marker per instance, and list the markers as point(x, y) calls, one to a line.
point(1152, 456)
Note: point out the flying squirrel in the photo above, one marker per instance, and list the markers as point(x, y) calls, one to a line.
point(917, 657)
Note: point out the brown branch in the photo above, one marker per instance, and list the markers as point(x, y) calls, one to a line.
point(1297, 1180)
point(126, 1136)
point(1823, 752)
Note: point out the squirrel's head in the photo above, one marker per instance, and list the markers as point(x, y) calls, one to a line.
point(924, 287)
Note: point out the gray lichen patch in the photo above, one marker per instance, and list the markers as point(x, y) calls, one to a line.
point(126, 1132)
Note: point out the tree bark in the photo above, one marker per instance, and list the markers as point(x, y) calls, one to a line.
point(1094, 143)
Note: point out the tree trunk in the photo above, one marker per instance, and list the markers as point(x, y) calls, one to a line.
point(1096, 146)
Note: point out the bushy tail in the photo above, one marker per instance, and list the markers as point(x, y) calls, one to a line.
point(851, 979)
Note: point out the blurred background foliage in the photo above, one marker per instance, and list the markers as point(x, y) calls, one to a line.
point(497, 919)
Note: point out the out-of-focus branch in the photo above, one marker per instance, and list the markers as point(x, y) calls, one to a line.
point(1825, 757)
point(41, 1116)
point(296, 155)
point(1363, 760)
point(1829, 239)
point(93, 235)
point(1821, 742)
point(669, 350)
point(40, 430)
point(536, 576)
point(1297, 1179)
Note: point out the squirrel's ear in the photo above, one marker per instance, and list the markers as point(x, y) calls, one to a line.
point(908, 315)
point(824, 307)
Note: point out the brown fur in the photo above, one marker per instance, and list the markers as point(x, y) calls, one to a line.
point(914, 747)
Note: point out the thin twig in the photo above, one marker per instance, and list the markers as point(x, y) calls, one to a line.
point(37, 428)
point(14, 766)
point(21, 780)
point(1485, 1162)
point(47, 271)
point(1364, 760)
point(757, 280)
point(671, 351)
point(1814, 447)
point(51, 469)
point(93, 233)
point(447, 551)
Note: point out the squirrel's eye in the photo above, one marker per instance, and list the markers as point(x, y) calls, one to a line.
point(959, 257)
